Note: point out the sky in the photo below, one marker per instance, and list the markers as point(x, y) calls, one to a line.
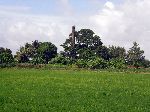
point(117, 22)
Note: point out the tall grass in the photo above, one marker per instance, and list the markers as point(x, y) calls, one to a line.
point(75, 91)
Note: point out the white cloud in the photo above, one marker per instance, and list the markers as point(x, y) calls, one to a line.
point(16, 29)
point(116, 24)
point(109, 5)
point(125, 23)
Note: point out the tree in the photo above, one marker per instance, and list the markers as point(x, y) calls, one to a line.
point(117, 52)
point(36, 52)
point(145, 63)
point(135, 55)
point(86, 46)
point(6, 56)
point(46, 51)
point(103, 52)
point(22, 55)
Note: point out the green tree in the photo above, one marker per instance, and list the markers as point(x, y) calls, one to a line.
point(6, 56)
point(47, 51)
point(22, 55)
point(86, 46)
point(103, 52)
point(145, 63)
point(117, 52)
point(36, 52)
point(135, 55)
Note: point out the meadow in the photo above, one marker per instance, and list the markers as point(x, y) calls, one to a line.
point(36, 90)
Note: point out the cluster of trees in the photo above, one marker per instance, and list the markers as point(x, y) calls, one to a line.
point(6, 57)
point(36, 53)
point(88, 51)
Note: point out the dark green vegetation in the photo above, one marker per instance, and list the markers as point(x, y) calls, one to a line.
point(29, 90)
point(83, 48)
point(36, 53)
point(6, 57)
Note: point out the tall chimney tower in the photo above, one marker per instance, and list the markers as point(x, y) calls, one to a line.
point(73, 36)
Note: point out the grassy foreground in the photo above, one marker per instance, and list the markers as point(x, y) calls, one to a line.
point(30, 90)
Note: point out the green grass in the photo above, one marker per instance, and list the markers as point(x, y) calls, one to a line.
point(30, 90)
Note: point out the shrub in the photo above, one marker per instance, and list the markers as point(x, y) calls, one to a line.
point(97, 63)
point(93, 63)
point(81, 63)
point(117, 63)
point(60, 60)
point(37, 60)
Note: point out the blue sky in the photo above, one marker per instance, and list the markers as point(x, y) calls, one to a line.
point(117, 22)
point(51, 7)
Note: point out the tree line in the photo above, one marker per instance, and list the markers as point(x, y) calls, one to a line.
point(88, 51)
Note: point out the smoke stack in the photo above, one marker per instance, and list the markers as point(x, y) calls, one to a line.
point(73, 36)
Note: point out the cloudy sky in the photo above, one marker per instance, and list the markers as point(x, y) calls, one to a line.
point(117, 22)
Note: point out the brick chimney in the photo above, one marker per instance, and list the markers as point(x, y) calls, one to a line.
point(73, 36)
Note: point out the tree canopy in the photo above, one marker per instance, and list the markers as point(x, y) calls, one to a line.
point(135, 55)
point(6, 56)
point(83, 48)
point(37, 52)
point(86, 46)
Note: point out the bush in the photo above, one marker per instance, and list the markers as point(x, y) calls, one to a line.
point(117, 63)
point(97, 63)
point(4, 65)
point(60, 60)
point(94, 63)
point(37, 60)
point(81, 63)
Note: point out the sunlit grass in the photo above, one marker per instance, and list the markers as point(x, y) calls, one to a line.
point(68, 90)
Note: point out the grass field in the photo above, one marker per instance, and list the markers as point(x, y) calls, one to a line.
point(30, 90)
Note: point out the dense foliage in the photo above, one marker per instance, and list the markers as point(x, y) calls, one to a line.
point(88, 51)
point(135, 55)
point(60, 59)
point(86, 46)
point(36, 53)
point(6, 57)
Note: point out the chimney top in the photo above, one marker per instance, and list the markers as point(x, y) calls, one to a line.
point(73, 27)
